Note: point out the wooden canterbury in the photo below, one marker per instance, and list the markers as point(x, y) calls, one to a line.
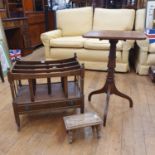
point(30, 93)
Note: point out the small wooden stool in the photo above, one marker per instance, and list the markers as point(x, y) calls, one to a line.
point(80, 121)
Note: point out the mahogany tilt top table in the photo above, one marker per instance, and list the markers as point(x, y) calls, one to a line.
point(113, 37)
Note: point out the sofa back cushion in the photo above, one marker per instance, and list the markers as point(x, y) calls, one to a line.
point(140, 20)
point(74, 22)
point(113, 19)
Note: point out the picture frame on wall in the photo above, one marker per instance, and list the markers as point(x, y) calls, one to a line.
point(150, 14)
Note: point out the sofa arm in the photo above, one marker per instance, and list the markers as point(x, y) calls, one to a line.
point(45, 37)
point(143, 45)
point(143, 49)
point(127, 45)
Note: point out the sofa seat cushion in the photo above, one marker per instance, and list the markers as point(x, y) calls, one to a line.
point(68, 42)
point(97, 44)
point(152, 48)
point(83, 54)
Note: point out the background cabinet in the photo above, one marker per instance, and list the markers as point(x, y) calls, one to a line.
point(3, 13)
point(36, 22)
point(31, 13)
point(15, 8)
point(135, 4)
point(34, 10)
point(15, 25)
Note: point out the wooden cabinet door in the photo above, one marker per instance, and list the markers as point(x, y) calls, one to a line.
point(28, 5)
point(36, 23)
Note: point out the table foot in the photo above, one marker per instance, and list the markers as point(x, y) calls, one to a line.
point(102, 90)
point(117, 92)
point(109, 88)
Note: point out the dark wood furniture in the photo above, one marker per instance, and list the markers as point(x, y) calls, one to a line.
point(113, 37)
point(15, 8)
point(33, 90)
point(16, 26)
point(16, 30)
point(50, 19)
point(1, 73)
point(35, 11)
point(36, 22)
point(152, 73)
point(25, 20)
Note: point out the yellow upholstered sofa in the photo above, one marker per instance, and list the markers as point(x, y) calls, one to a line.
point(73, 23)
point(146, 51)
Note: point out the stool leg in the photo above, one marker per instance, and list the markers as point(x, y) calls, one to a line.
point(82, 105)
point(93, 128)
point(70, 136)
point(1, 73)
point(98, 131)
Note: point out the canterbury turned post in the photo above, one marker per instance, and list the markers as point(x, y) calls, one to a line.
point(113, 37)
point(1, 73)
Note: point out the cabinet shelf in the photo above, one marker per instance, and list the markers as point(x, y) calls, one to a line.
point(19, 10)
point(15, 3)
point(15, 8)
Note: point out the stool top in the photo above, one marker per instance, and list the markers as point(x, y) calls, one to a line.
point(82, 120)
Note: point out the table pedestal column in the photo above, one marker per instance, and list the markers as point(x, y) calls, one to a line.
point(109, 87)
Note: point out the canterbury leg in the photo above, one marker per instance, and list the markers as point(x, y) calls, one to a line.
point(1, 73)
point(17, 119)
point(82, 105)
